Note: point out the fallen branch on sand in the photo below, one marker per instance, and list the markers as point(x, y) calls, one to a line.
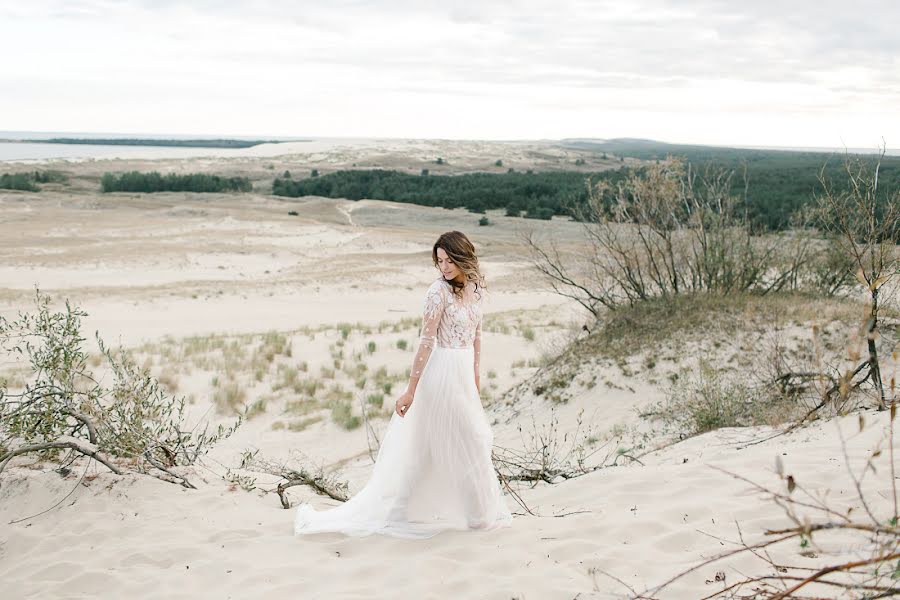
point(85, 448)
point(326, 485)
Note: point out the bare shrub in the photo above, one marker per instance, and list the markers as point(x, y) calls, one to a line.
point(548, 456)
point(666, 231)
point(865, 222)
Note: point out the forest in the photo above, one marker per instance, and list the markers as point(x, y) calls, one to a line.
point(771, 185)
point(135, 181)
point(778, 182)
point(530, 195)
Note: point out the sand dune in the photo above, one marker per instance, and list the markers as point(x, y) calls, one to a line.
point(139, 537)
point(163, 273)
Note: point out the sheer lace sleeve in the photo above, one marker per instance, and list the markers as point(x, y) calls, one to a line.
point(435, 301)
point(476, 344)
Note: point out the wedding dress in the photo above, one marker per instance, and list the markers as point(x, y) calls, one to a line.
point(433, 471)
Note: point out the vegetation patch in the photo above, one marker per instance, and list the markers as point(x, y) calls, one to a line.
point(135, 181)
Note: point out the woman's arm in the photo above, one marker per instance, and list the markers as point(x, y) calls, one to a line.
point(435, 300)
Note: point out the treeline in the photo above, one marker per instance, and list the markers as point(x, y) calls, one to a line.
point(221, 143)
point(27, 182)
point(135, 181)
point(532, 195)
point(778, 182)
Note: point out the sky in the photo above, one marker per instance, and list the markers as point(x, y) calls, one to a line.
point(797, 73)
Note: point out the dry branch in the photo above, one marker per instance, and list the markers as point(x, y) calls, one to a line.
point(75, 444)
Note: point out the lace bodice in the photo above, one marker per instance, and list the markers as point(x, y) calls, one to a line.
point(449, 321)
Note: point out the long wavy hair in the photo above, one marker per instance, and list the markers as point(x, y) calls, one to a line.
point(462, 253)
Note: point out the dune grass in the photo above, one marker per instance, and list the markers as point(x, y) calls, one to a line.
point(236, 364)
point(229, 398)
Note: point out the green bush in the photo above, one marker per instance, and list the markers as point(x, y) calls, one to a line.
point(18, 181)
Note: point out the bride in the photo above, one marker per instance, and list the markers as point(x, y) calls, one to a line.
point(433, 471)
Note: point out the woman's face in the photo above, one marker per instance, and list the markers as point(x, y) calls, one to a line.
point(447, 266)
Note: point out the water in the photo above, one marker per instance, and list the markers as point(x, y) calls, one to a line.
point(35, 151)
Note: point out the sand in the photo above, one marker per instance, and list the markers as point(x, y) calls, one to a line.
point(153, 271)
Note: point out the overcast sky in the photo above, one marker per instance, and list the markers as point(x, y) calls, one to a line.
point(783, 73)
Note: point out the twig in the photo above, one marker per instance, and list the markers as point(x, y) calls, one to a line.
point(72, 491)
point(181, 479)
point(71, 443)
point(835, 568)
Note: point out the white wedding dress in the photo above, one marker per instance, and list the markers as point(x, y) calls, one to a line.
point(433, 471)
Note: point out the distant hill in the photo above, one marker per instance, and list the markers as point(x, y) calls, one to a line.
point(651, 149)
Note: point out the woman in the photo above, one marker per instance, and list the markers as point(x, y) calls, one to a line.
point(433, 471)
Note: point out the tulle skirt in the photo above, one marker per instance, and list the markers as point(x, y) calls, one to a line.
point(433, 471)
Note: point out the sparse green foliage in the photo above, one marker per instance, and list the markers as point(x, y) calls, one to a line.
point(342, 414)
point(123, 415)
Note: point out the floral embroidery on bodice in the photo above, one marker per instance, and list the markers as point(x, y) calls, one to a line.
point(450, 321)
point(460, 316)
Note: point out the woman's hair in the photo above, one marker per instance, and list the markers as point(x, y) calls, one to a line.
point(462, 253)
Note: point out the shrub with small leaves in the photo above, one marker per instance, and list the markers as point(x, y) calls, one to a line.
point(64, 406)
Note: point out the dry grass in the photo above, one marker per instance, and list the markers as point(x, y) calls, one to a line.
point(229, 397)
point(301, 407)
point(342, 414)
point(654, 325)
point(303, 423)
point(168, 381)
point(705, 399)
point(257, 408)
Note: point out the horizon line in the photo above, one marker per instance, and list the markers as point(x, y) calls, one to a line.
point(300, 138)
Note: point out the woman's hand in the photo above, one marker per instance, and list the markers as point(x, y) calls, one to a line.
point(403, 403)
point(478, 383)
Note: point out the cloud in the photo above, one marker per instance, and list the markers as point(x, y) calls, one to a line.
point(567, 61)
